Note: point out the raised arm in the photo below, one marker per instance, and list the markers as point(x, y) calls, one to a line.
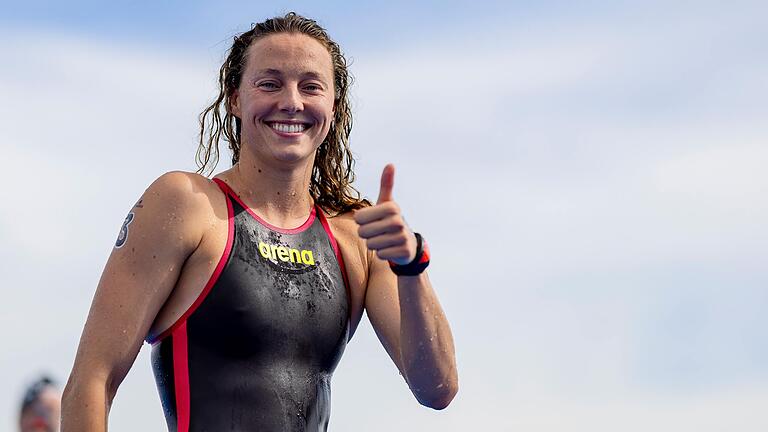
point(404, 310)
point(157, 237)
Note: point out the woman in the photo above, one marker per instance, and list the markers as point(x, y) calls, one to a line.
point(248, 318)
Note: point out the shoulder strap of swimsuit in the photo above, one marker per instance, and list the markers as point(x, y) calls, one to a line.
point(224, 187)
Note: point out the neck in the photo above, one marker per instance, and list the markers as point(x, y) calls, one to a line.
point(278, 194)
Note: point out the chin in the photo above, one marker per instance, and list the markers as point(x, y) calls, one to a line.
point(266, 148)
point(290, 155)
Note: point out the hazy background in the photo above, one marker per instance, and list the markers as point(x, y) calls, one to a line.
point(591, 177)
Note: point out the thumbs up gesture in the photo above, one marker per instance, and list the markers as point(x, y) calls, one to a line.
point(383, 227)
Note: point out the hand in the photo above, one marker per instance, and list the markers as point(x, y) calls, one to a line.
point(383, 227)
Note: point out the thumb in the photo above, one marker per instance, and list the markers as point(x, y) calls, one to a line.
point(387, 183)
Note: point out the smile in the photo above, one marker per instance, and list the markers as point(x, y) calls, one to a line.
point(289, 127)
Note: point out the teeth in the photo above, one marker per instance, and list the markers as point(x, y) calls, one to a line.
point(290, 128)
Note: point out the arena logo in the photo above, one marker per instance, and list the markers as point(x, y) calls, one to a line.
point(285, 254)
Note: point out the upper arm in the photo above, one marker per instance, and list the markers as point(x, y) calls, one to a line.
point(138, 277)
point(382, 304)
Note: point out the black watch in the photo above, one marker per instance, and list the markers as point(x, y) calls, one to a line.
point(419, 263)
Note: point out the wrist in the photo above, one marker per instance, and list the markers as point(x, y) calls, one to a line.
point(419, 262)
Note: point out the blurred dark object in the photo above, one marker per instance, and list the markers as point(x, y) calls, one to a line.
point(41, 407)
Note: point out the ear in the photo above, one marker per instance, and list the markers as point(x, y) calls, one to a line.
point(234, 103)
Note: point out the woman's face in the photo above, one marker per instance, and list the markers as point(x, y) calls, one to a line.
point(285, 98)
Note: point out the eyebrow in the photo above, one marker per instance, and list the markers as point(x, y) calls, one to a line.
point(310, 74)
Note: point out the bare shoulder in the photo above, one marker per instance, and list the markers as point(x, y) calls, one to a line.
point(186, 203)
point(183, 187)
point(184, 193)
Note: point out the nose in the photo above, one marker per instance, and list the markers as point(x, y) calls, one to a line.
point(290, 100)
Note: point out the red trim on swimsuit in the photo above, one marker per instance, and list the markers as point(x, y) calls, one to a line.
point(181, 377)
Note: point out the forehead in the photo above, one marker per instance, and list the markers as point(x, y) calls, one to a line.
point(290, 54)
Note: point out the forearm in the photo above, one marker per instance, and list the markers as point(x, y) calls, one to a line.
point(427, 349)
point(85, 406)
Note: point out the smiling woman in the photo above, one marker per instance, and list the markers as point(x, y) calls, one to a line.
point(249, 285)
point(332, 174)
point(303, 97)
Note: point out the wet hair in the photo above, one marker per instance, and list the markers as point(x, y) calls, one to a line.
point(32, 394)
point(332, 173)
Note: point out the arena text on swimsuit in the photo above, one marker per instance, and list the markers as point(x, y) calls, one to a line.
point(275, 252)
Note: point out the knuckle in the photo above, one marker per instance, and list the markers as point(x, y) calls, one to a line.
point(400, 224)
point(390, 207)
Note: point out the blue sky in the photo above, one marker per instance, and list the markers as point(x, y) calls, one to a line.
point(592, 182)
point(194, 23)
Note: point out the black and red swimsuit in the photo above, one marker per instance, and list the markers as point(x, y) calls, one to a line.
point(256, 350)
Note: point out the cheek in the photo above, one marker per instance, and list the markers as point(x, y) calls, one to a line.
point(328, 105)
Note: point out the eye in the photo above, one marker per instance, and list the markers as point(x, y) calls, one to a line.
point(268, 85)
point(313, 87)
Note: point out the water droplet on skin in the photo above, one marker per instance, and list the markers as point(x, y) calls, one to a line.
point(431, 338)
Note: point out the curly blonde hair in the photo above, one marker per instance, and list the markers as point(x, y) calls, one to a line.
point(332, 173)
